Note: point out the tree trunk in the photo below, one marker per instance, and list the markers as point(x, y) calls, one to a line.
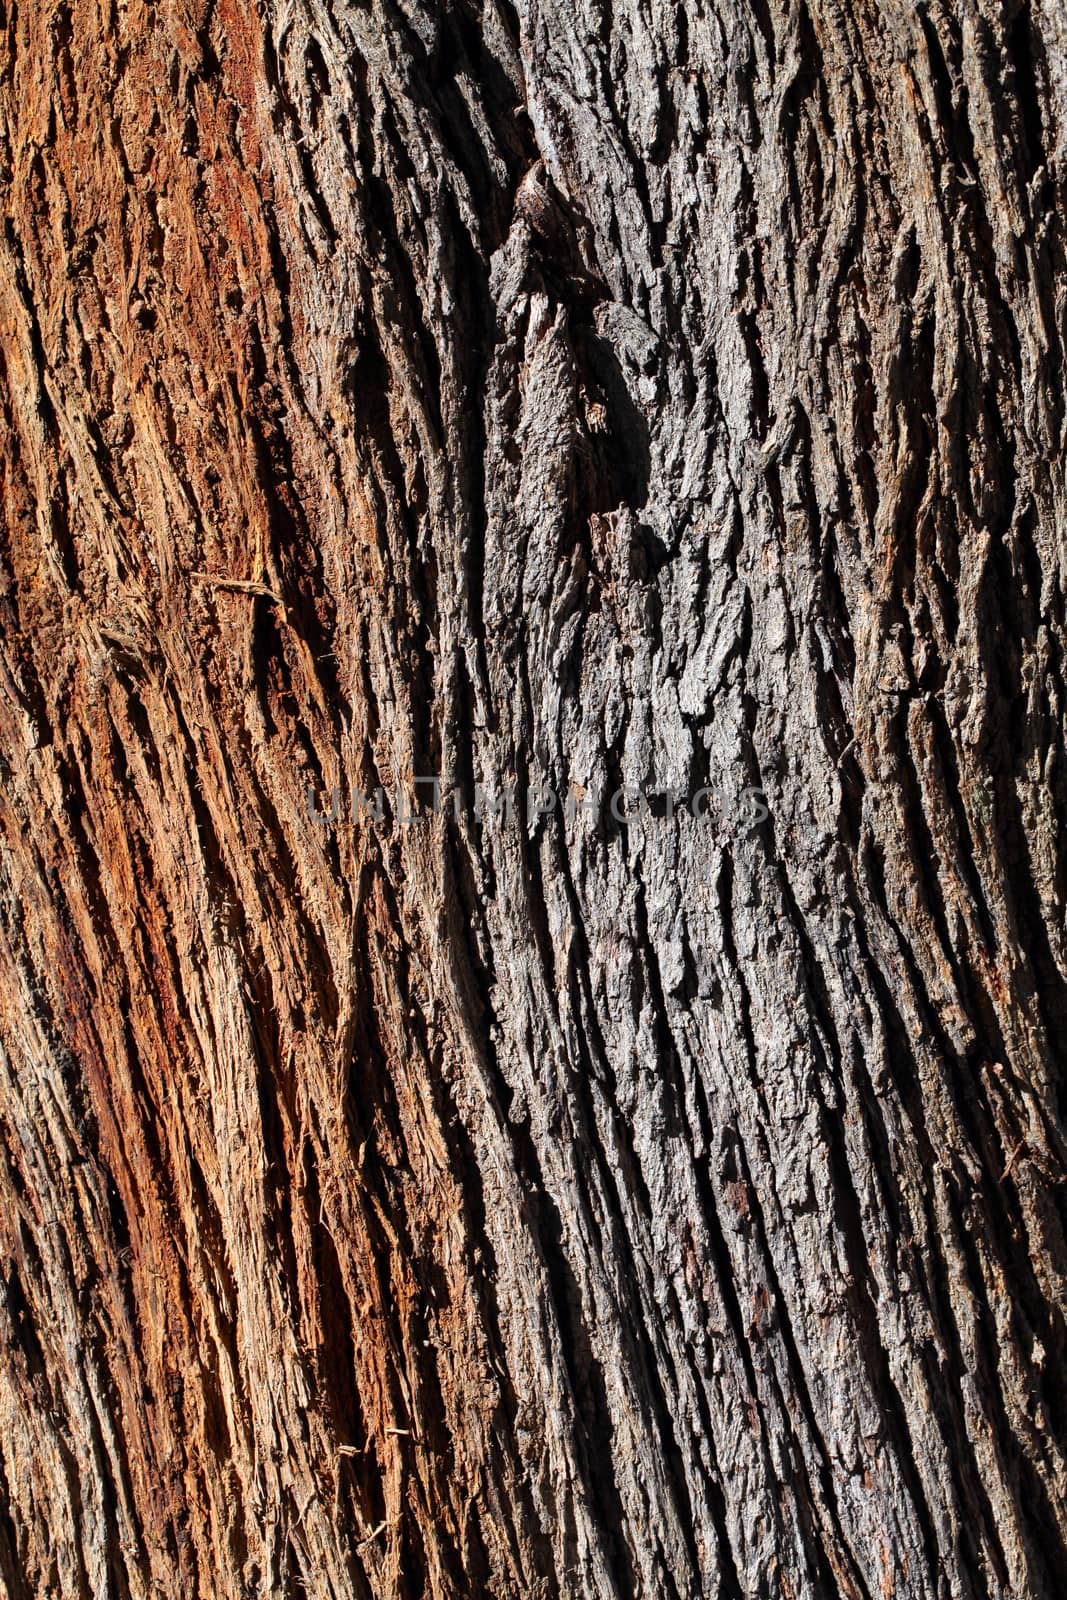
point(636, 1171)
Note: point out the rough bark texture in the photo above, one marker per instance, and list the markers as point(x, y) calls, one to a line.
point(585, 394)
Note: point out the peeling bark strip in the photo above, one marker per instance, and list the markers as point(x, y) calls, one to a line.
point(629, 396)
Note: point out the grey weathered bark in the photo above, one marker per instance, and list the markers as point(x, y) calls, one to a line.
point(591, 396)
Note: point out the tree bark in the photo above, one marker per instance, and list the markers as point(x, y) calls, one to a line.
point(613, 401)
